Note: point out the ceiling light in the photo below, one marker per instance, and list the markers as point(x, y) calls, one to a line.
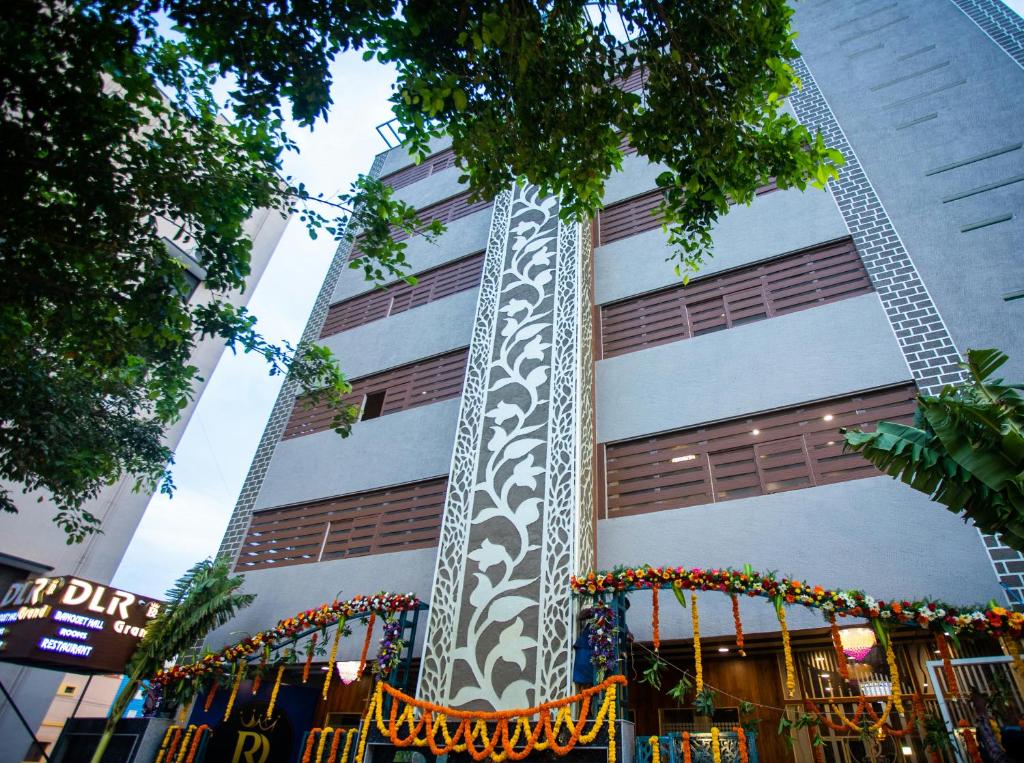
point(828, 417)
point(824, 675)
point(723, 649)
point(677, 459)
point(756, 432)
point(907, 749)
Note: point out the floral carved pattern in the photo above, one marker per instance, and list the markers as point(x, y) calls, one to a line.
point(500, 623)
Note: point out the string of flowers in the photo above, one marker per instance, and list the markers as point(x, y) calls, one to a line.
point(510, 727)
point(197, 743)
point(716, 750)
point(239, 672)
point(741, 745)
point(695, 617)
point(655, 744)
point(307, 752)
point(819, 751)
point(324, 734)
point(1012, 647)
point(333, 656)
point(274, 691)
point(837, 644)
point(970, 742)
point(391, 645)
point(952, 689)
point(929, 614)
point(738, 624)
point(894, 676)
point(366, 644)
point(879, 722)
point(287, 629)
point(309, 658)
point(787, 651)
point(259, 671)
point(183, 750)
point(171, 731)
point(210, 695)
point(172, 753)
point(332, 756)
point(655, 620)
point(687, 755)
point(601, 639)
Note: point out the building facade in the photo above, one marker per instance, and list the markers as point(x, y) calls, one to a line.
point(549, 399)
point(30, 543)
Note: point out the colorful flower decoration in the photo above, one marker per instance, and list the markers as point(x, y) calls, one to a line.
point(391, 645)
point(603, 632)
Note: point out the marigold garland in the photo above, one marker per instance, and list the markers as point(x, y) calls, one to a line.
point(163, 744)
point(787, 652)
point(210, 695)
point(970, 743)
point(741, 745)
point(173, 747)
point(716, 749)
point(259, 671)
point(200, 732)
point(307, 752)
point(239, 672)
point(365, 730)
point(333, 656)
point(497, 744)
point(952, 689)
point(333, 756)
point(819, 751)
point(274, 691)
point(1012, 648)
point(894, 677)
point(695, 617)
point(655, 744)
point(737, 624)
point(325, 732)
point(837, 644)
point(655, 620)
point(183, 750)
point(366, 644)
point(687, 755)
point(309, 658)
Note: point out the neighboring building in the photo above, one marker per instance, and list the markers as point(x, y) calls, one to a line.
point(699, 426)
point(30, 543)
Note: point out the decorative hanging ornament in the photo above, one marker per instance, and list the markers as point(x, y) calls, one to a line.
point(857, 642)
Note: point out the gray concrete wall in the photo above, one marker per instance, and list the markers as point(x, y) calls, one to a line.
point(422, 332)
point(823, 352)
point(873, 534)
point(464, 236)
point(773, 224)
point(285, 591)
point(637, 175)
point(967, 93)
point(406, 446)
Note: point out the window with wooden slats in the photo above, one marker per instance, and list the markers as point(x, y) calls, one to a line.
point(431, 285)
point(446, 211)
point(401, 518)
point(783, 285)
point(756, 455)
point(636, 215)
point(426, 381)
point(406, 176)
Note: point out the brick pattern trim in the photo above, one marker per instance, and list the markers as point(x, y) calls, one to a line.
point(242, 514)
point(406, 176)
point(920, 331)
point(431, 285)
point(763, 454)
point(1002, 25)
point(414, 384)
point(783, 285)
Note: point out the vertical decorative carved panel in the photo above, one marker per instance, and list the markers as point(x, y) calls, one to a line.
point(518, 513)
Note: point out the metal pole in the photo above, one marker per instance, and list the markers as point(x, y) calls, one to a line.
point(81, 696)
point(31, 733)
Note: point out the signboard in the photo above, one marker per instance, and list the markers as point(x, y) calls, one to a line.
point(72, 624)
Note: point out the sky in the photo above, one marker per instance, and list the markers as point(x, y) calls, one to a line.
point(218, 445)
point(220, 440)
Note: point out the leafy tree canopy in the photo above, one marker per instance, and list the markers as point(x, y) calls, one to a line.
point(111, 131)
point(966, 450)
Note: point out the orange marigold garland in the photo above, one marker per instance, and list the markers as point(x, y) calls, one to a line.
point(973, 753)
point(837, 644)
point(163, 744)
point(307, 753)
point(350, 734)
point(787, 651)
point(210, 695)
point(183, 750)
point(655, 620)
point(738, 624)
point(196, 743)
point(239, 672)
point(741, 745)
point(687, 754)
point(259, 671)
point(173, 747)
point(274, 691)
point(366, 643)
point(333, 656)
point(309, 658)
point(324, 734)
point(695, 617)
point(894, 676)
point(952, 689)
